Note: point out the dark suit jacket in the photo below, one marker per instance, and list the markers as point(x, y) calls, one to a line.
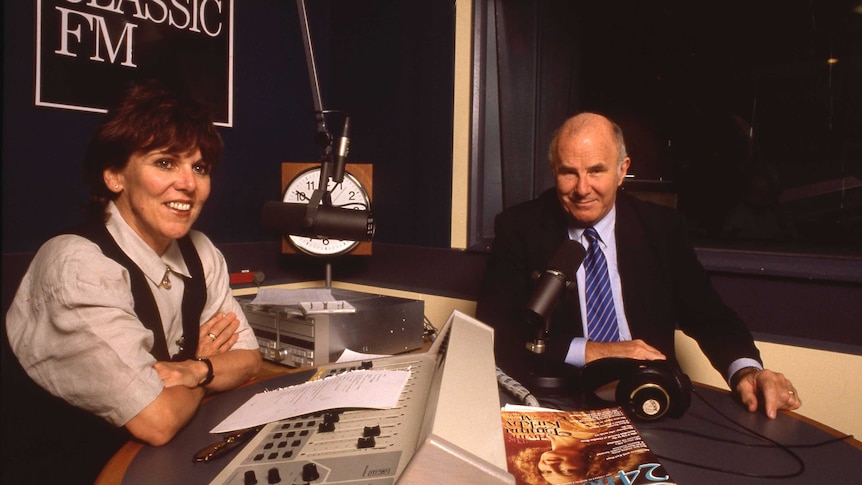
point(664, 285)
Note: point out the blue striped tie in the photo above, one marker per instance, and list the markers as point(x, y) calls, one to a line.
point(601, 316)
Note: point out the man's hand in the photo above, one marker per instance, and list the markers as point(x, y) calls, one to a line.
point(630, 349)
point(218, 335)
point(767, 389)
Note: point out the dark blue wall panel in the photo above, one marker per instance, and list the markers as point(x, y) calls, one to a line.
point(388, 63)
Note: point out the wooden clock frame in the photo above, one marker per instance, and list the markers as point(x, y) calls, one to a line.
point(364, 174)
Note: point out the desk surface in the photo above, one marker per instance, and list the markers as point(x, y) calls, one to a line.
point(114, 471)
point(716, 441)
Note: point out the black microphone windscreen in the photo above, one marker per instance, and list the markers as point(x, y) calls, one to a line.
point(551, 284)
point(330, 222)
point(568, 258)
point(283, 217)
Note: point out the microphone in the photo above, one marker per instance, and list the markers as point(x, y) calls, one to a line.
point(343, 149)
point(551, 285)
point(324, 222)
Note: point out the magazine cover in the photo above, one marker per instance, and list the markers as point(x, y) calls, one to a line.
point(598, 447)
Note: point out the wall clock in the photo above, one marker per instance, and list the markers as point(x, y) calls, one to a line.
point(354, 192)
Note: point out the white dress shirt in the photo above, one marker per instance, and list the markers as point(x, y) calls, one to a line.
point(576, 355)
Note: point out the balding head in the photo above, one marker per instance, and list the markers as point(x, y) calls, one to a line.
point(586, 124)
point(589, 163)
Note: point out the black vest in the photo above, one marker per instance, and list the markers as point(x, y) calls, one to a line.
point(46, 440)
point(194, 296)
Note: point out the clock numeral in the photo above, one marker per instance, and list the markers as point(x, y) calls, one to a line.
point(300, 196)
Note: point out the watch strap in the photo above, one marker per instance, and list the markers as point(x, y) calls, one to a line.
point(210, 374)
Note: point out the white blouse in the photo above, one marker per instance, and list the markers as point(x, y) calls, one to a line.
point(73, 327)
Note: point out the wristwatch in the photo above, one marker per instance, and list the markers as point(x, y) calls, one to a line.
point(210, 374)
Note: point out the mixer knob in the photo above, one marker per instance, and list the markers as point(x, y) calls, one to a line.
point(309, 472)
point(273, 476)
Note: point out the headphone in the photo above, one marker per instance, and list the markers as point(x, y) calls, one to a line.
point(647, 389)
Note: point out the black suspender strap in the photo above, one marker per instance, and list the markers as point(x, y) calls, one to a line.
point(194, 299)
point(194, 296)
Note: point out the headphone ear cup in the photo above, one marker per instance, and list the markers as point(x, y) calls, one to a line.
point(645, 394)
point(683, 398)
point(646, 390)
point(600, 373)
point(655, 389)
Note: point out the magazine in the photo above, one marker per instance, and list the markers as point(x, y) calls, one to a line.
point(597, 447)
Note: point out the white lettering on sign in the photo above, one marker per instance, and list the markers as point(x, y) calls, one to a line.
point(88, 33)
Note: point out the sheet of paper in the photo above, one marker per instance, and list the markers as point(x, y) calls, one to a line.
point(376, 389)
point(291, 296)
point(352, 356)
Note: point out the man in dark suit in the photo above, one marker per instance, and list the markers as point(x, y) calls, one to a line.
point(657, 282)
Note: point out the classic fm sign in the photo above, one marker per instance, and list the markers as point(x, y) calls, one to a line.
point(88, 50)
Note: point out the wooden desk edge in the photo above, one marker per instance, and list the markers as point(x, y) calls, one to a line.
point(849, 439)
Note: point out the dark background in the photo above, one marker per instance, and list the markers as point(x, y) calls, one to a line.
point(748, 115)
point(387, 63)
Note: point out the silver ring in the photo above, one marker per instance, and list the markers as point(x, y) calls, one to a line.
point(212, 336)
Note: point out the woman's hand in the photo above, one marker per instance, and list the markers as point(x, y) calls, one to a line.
point(218, 335)
point(187, 373)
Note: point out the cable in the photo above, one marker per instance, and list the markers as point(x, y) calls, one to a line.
point(772, 443)
point(516, 388)
point(429, 330)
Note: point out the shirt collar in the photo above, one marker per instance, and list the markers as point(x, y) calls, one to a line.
point(604, 227)
point(140, 252)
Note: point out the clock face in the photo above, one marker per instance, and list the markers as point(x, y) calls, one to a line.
point(349, 194)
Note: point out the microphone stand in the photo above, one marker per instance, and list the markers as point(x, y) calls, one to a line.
point(321, 195)
point(324, 137)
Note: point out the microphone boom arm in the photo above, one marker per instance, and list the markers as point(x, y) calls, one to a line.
point(329, 168)
point(324, 137)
